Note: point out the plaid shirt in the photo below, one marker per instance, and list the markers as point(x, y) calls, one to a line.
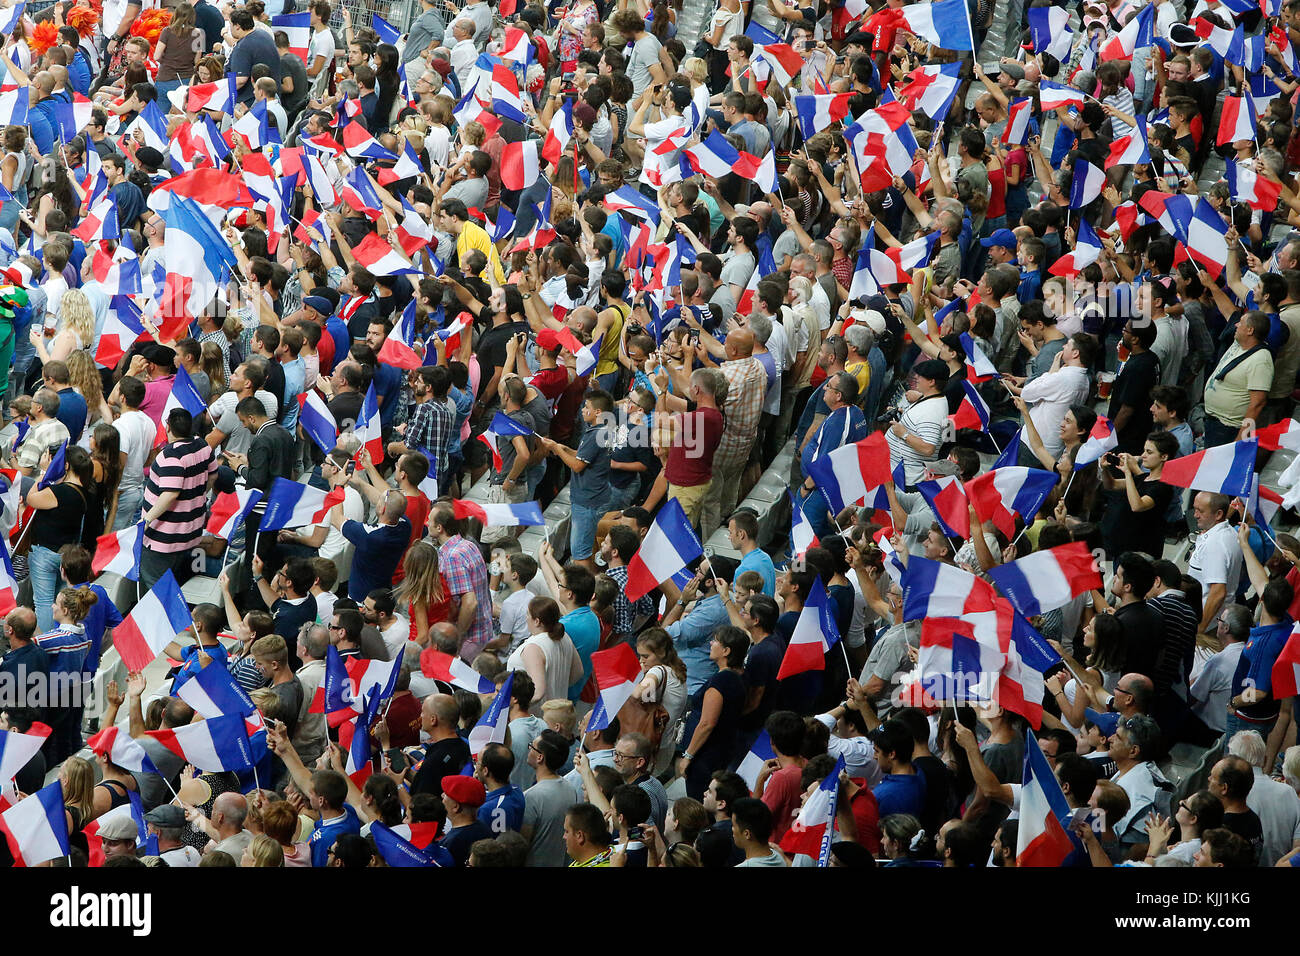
point(746, 386)
point(626, 612)
point(430, 430)
point(464, 570)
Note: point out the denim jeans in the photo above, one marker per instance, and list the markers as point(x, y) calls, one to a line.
point(1232, 724)
point(1217, 433)
point(129, 504)
point(43, 568)
point(582, 530)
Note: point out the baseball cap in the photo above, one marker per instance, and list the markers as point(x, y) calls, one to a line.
point(168, 815)
point(1000, 237)
point(464, 790)
point(319, 303)
point(331, 295)
point(548, 339)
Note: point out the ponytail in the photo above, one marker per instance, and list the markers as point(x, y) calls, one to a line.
point(547, 613)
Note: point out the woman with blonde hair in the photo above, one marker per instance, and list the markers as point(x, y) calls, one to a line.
point(697, 72)
point(83, 375)
point(262, 851)
point(76, 328)
point(213, 362)
point(77, 777)
point(424, 590)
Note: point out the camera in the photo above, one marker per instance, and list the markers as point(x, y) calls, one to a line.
point(635, 328)
point(636, 833)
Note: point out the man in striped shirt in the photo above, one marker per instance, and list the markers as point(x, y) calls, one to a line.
point(175, 500)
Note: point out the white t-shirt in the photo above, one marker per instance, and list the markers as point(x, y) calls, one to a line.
point(322, 44)
point(437, 143)
point(396, 636)
point(1217, 560)
point(137, 432)
point(336, 547)
point(1049, 397)
point(514, 617)
point(325, 606)
point(54, 289)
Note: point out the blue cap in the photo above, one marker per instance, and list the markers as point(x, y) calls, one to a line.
point(1002, 237)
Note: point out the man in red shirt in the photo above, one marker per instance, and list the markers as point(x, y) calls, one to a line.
point(550, 378)
point(696, 433)
point(778, 783)
point(883, 25)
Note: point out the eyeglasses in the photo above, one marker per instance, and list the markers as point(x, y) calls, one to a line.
point(619, 756)
point(336, 627)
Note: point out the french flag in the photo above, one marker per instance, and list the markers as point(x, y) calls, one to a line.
point(196, 257)
point(874, 270)
point(120, 749)
point(978, 366)
point(359, 144)
point(1087, 250)
point(491, 727)
point(14, 105)
point(848, 473)
point(760, 753)
point(369, 429)
point(407, 166)
point(501, 425)
point(506, 101)
point(559, 133)
point(1221, 469)
point(318, 422)
point(213, 745)
point(781, 57)
point(1285, 434)
point(1099, 441)
point(1130, 149)
point(1051, 95)
point(36, 827)
point(516, 47)
point(815, 633)
point(450, 669)
point(359, 193)
point(1136, 35)
point(152, 624)
point(1264, 502)
point(413, 232)
point(935, 589)
point(1017, 129)
point(100, 221)
point(1086, 184)
point(1048, 579)
point(292, 504)
point(944, 23)
point(973, 412)
point(354, 738)
point(8, 584)
point(1174, 213)
point(1248, 186)
point(818, 112)
point(1207, 238)
point(519, 165)
point(814, 827)
point(230, 510)
point(669, 546)
point(398, 349)
point(1002, 494)
point(381, 259)
point(617, 672)
point(118, 273)
point(883, 145)
point(1236, 120)
point(73, 117)
point(956, 665)
point(182, 395)
point(915, 254)
point(1041, 839)
point(297, 26)
point(152, 125)
point(323, 143)
point(1285, 674)
point(716, 157)
point(1226, 43)
point(586, 356)
point(802, 536)
point(56, 469)
point(499, 515)
point(947, 499)
point(16, 751)
point(122, 327)
point(119, 552)
point(219, 96)
point(253, 127)
point(336, 696)
point(930, 89)
point(398, 851)
point(1049, 31)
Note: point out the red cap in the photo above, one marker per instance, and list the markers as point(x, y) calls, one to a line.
point(548, 339)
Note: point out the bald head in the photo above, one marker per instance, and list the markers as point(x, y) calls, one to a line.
point(444, 708)
point(394, 507)
point(740, 344)
point(583, 319)
point(44, 81)
point(233, 806)
point(445, 637)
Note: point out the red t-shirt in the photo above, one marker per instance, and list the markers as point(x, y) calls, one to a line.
point(417, 512)
point(882, 26)
point(1293, 579)
point(782, 795)
point(551, 382)
point(437, 612)
point(866, 815)
point(690, 460)
point(325, 352)
point(403, 720)
point(998, 194)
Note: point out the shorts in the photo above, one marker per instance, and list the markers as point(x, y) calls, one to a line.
point(690, 497)
point(582, 531)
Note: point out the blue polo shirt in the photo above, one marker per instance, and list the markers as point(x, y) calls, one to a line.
point(102, 615)
point(759, 560)
point(326, 832)
point(67, 649)
point(900, 793)
point(388, 386)
point(379, 549)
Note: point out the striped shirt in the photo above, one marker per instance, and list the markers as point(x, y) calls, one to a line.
point(183, 467)
point(746, 386)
